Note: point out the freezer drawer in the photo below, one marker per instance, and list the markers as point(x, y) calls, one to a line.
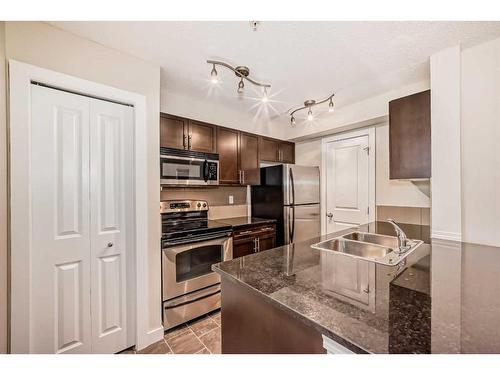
point(301, 222)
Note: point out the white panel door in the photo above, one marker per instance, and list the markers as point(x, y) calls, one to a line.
point(111, 168)
point(347, 189)
point(60, 263)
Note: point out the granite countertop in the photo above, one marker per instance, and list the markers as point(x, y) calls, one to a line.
point(245, 221)
point(446, 299)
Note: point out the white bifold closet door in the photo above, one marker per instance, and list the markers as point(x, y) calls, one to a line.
point(82, 219)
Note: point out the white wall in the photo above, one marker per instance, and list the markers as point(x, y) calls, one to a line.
point(208, 110)
point(388, 192)
point(366, 112)
point(43, 45)
point(445, 146)
point(480, 127)
point(3, 196)
point(394, 192)
point(308, 152)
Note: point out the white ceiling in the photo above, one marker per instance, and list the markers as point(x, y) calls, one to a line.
point(301, 60)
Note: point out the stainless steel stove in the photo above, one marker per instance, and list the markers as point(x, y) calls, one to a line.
point(190, 245)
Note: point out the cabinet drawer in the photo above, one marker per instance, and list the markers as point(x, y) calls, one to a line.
point(255, 230)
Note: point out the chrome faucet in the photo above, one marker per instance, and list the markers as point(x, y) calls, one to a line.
point(402, 239)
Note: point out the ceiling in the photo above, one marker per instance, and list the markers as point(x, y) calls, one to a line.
point(300, 60)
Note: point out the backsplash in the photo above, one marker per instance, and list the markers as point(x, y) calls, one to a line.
point(217, 198)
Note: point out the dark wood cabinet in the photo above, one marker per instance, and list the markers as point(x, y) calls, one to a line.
point(240, 153)
point(201, 136)
point(173, 131)
point(243, 246)
point(249, 159)
point(410, 136)
point(185, 134)
point(269, 149)
point(249, 240)
point(273, 150)
point(287, 152)
point(228, 141)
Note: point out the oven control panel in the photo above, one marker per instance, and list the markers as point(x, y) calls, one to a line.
point(183, 206)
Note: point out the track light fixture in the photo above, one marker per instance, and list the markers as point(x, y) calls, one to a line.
point(308, 104)
point(242, 72)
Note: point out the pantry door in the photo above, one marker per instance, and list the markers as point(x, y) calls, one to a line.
point(348, 179)
point(83, 218)
point(60, 226)
point(111, 223)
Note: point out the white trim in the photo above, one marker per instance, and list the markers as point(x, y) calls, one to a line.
point(333, 347)
point(450, 236)
point(370, 132)
point(20, 77)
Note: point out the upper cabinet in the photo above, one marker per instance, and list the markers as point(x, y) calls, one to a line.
point(184, 134)
point(240, 153)
point(410, 136)
point(173, 131)
point(273, 150)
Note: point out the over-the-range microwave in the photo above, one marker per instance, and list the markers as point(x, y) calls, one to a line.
point(192, 168)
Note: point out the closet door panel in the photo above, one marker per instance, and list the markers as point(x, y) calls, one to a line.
point(60, 259)
point(111, 165)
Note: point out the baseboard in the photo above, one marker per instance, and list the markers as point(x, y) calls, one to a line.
point(450, 236)
point(150, 337)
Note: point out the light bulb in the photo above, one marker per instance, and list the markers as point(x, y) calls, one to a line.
point(330, 106)
point(292, 121)
point(310, 115)
point(213, 75)
point(241, 86)
point(264, 96)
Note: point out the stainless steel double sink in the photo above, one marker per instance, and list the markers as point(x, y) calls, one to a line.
point(372, 247)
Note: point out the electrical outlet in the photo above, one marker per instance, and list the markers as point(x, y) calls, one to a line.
point(231, 199)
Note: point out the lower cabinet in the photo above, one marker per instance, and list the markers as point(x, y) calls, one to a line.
point(252, 240)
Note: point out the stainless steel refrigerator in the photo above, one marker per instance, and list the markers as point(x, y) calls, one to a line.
point(290, 194)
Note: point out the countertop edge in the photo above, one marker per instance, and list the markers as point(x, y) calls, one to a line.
point(321, 329)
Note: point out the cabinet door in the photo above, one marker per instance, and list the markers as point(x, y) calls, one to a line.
point(269, 149)
point(201, 136)
point(410, 136)
point(267, 241)
point(227, 147)
point(287, 152)
point(172, 131)
point(249, 159)
point(243, 246)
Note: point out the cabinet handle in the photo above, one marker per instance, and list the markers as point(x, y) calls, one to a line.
point(255, 245)
point(245, 232)
point(239, 176)
point(184, 141)
point(189, 142)
point(243, 177)
point(258, 244)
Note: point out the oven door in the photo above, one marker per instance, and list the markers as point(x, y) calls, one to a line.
point(178, 170)
point(188, 267)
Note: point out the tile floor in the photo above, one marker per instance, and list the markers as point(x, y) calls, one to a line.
point(200, 336)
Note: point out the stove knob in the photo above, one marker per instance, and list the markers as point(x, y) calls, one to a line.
point(204, 205)
point(198, 205)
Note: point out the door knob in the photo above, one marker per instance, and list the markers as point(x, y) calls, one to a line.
point(329, 215)
point(110, 244)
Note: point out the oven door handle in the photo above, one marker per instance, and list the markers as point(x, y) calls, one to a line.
point(192, 240)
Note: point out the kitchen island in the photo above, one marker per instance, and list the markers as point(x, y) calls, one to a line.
point(295, 299)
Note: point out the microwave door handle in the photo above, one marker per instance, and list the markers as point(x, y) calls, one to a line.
point(205, 170)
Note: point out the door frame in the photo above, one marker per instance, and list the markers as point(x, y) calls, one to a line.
point(21, 75)
point(370, 132)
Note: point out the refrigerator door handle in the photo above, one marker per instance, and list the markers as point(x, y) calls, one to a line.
point(292, 225)
point(292, 187)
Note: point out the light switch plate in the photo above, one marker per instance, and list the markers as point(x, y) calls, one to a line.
point(231, 199)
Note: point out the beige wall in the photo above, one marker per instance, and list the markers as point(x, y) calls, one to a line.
point(3, 196)
point(43, 45)
point(480, 137)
